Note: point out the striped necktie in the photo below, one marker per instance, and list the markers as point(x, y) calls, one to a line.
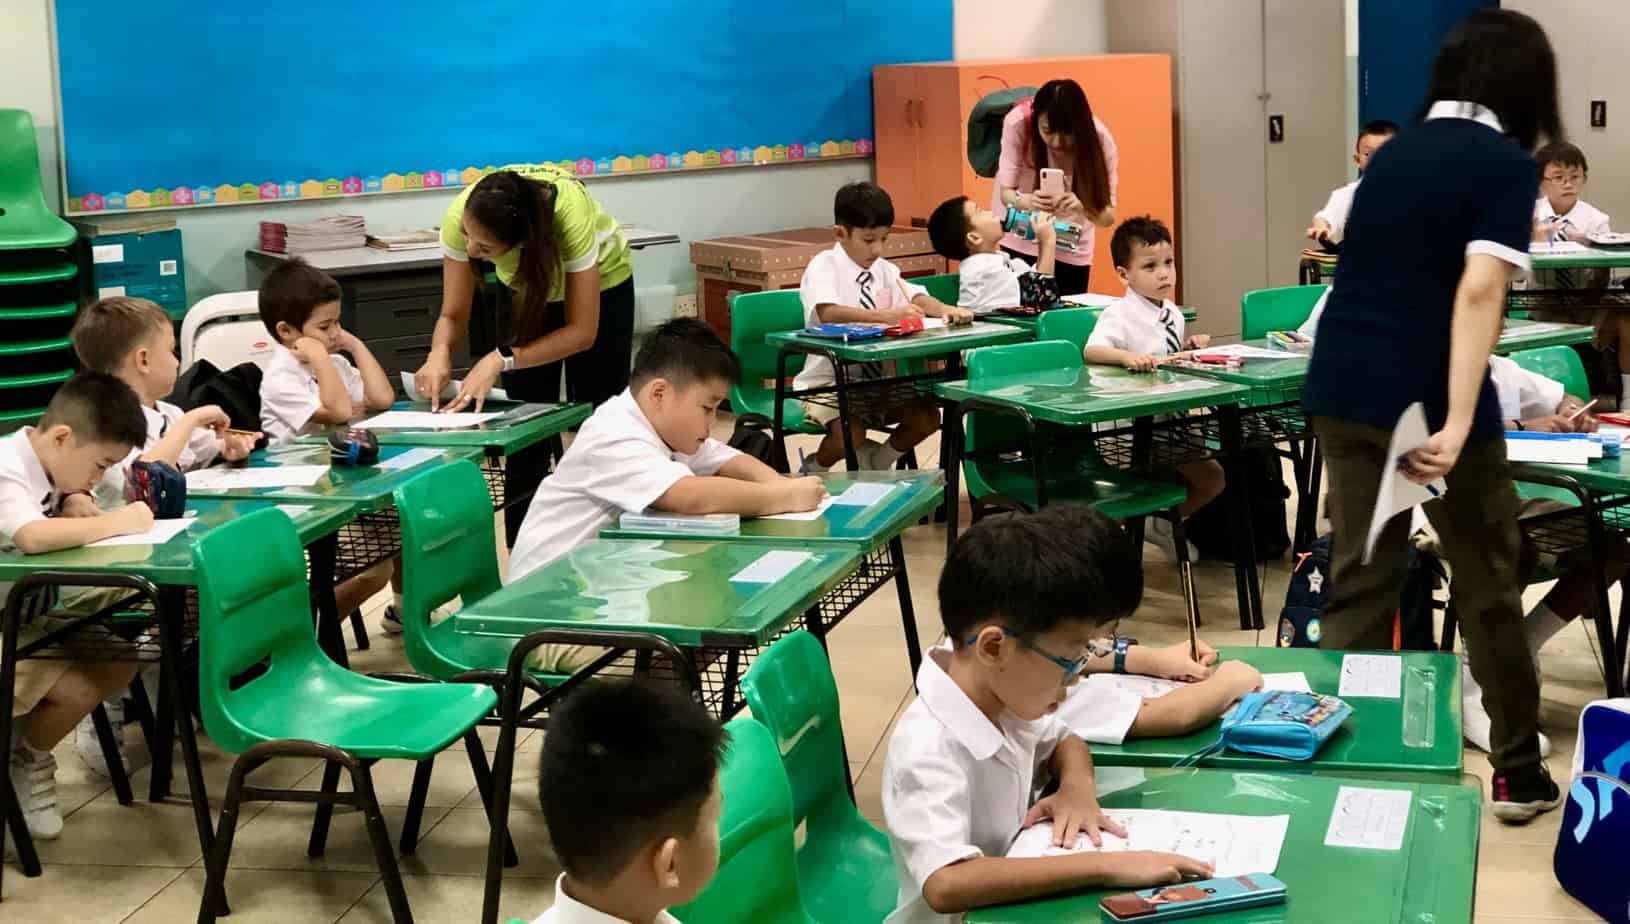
point(1559, 233)
point(1174, 343)
point(865, 282)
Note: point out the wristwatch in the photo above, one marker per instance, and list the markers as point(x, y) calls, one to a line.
point(1122, 643)
point(508, 356)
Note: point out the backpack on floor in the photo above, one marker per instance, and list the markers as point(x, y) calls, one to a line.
point(1212, 530)
point(753, 436)
point(985, 127)
point(1300, 622)
point(1595, 834)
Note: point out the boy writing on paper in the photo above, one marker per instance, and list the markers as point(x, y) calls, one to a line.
point(629, 785)
point(1022, 597)
point(1144, 329)
point(309, 386)
point(1330, 223)
point(853, 283)
point(988, 277)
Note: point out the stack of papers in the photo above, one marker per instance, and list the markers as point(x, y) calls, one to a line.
point(1234, 844)
point(336, 232)
point(427, 239)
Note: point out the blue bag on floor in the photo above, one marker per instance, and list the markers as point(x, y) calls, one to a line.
point(1595, 834)
point(1277, 723)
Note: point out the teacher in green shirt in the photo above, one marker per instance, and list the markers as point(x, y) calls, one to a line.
point(566, 262)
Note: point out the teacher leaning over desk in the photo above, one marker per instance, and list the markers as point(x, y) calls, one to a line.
point(1439, 226)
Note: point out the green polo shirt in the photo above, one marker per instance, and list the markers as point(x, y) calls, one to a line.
point(585, 232)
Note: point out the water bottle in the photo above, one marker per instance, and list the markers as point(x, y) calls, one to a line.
point(1023, 224)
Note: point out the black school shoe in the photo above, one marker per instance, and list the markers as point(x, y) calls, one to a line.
point(1520, 793)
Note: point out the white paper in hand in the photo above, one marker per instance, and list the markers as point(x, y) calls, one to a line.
point(448, 393)
point(1396, 493)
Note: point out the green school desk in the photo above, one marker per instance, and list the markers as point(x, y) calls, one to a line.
point(1055, 401)
point(1523, 334)
point(1370, 742)
point(867, 529)
point(1585, 294)
point(1432, 878)
point(1029, 323)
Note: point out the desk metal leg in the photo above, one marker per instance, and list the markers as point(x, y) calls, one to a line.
point(1250, 595)
point(330, 636)
point(171, 617)
point(11, 812)
point(908, 613)
point(951, 449)
point(163, 740)
point(523, 472)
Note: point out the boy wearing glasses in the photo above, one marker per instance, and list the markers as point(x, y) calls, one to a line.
point(1023, 597)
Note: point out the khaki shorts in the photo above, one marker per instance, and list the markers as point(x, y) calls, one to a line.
point(36, 676)
point(825, 415)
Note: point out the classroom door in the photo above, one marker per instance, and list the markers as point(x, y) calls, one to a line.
point(1397, 40)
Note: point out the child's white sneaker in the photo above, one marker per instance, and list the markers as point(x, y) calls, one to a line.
point(90, 747)
point(34, 779)
point(1476, 726)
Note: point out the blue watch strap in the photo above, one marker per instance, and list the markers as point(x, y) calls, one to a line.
point(1122, 643)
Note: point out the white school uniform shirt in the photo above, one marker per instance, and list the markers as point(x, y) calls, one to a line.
point(831, 278)
point(616, 464)
point(1310, 327)
point(1098, 711)
point(990, 281)
point(1583, 216)
point(956, 786)
point(203, 446)
point(1523, 394)
point(26, 492)
point(289, 395)
point(1134, 323)
point(1336, 208)
point(568, 910)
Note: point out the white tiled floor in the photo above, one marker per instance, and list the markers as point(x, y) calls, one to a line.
point(140, 863)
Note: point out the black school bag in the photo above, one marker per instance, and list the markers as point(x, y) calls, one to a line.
point(754, 436)
point(1211, 529)
point(1301, 621)
point(235, 390)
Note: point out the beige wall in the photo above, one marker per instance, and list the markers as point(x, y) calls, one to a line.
point(28, 78)
point(1028, 28)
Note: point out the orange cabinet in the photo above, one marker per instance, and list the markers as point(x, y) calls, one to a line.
point(921, 117)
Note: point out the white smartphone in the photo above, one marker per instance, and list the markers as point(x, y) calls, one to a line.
point(1052, 181)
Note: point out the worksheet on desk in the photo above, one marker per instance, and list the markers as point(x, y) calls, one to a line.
point(221, 478)
point(1234, 844)
point(865, 493)
point(163, 531)
point(426, 420)
point(803, 516)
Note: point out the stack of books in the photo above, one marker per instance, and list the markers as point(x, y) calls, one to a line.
point(336, 232)
point(427, 239)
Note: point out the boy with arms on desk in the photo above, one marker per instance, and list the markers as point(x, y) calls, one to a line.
point(1330, 223)
point(852, 283)
point(1022, 597)
point(91, 424)
point(629, 785)
point(988, 277)
point(1141, 331)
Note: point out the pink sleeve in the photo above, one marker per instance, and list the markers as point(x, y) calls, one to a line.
point(1112, 161)
point(1011, 167)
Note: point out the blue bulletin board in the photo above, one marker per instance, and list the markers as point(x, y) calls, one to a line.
point(169, 103)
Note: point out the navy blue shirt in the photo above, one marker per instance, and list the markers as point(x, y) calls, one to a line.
point(1383, 342)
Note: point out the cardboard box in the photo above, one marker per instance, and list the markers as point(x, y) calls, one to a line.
point(140, 258)
point(728, 266)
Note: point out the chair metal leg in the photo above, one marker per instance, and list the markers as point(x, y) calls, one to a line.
point(325, 811)
point(359, 629)
point(108, 738)
point(908, 613)
point(27, 857)
point(379, 837)
point(142, 708)
point(215, 875)
point(483, 785)
point(415, 807)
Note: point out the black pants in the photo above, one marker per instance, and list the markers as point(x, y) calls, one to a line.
point(1072, 279)
point(594, 375)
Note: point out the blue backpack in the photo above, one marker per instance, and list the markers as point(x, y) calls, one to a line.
point(1595, 834)
point(1300, 624)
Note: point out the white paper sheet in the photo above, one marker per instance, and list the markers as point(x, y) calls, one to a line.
point(272, 476)
point(1372, 819)
point(293, 511)
point(931, 323)
point(1380, 676)
point(865, 493)
point(163, 531)
point(1146, 687)
point(450, 392)
point(416, 456)
point(770, 567)
point(1555, 247)
point(426, 420)
point(1526, 330)
point(1551, 452)
point(1294, 681)
point(1236, 844)
point(804, 517)
point(1396, 493)
point(1090, 300)
point(1244, 351)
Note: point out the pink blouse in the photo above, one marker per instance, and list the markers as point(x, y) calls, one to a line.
point(1016, 172)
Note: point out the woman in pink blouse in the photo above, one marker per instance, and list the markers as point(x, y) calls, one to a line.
point(1049, 130)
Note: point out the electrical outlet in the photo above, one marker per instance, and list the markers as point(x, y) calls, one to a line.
point(685, 306)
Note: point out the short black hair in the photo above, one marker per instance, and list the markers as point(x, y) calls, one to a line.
point(862, 204)
point(684, 351)
point(1036, 571)
point(291, 293)
point(99, 408)
point(948, 228)
point(624, 763)
point(1142, 229)
point(1385, 127)
point(1503, 60)
point(1561, 152)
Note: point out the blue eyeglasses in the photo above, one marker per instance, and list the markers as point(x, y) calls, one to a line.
point(1072, 667)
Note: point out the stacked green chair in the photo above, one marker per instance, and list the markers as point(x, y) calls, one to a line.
point(1283, 308)
point(1072, 324)
point(845, 867)
point(757, 881)
point(38, 280)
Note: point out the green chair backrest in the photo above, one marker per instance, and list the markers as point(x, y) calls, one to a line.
point(449, 549)
point(1561, 363)
point(253, 606)
point(1072, 324)
point(757, 881)
point(986, 431)
point(947, 287)
point(26, 222)
point(1276, 309)
point(790, 689)
point(753, 315)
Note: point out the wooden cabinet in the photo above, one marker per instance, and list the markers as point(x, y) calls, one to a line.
point(921, 117)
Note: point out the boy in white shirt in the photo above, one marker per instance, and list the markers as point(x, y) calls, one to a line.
point(852, 283)
point(1022, 596)
point(1141, 331)
point(91, 424)
point(1330, 223)
point(988, 277)
point(629, 785)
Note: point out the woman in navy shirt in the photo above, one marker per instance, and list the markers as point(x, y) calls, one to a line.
point(1439, 226)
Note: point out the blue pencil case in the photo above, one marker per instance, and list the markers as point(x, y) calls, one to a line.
point(844, 331)
point(1278, 723)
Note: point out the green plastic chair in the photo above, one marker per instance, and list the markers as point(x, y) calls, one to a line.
point(757, 881)
point(754, 315)
point(845, 867)
point(946, 287)
point(1072, 324)
point(26, 222)
point(255, 614)
point(1561, 363)
point(1277, 309)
